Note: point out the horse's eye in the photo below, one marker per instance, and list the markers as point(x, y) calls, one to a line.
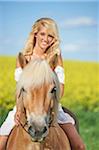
point(53, 90)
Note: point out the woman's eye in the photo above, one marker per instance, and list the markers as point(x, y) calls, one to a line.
point(50, 36)
point(42, 33)
point(53, 90)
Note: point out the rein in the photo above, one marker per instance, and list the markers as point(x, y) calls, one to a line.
point(23, 126)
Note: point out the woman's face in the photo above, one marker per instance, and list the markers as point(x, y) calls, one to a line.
point(44, 38)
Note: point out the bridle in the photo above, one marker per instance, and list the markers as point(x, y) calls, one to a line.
point(49, 121)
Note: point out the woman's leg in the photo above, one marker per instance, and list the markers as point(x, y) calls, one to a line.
point(3, 141)
point(73, 136)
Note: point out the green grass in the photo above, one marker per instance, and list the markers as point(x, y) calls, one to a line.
point(81, 95)
point(89, 128)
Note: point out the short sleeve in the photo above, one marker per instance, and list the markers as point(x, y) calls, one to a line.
point(60, 74)
point(17, 73)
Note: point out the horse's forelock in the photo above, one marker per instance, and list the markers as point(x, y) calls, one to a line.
point(35, 74)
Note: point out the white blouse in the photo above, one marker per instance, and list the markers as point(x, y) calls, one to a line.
point(17, 73)
point(59, 71)
point(60, 74)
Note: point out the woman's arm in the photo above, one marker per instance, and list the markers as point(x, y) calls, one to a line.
point(18, 71)
point(60, 73)
point(21, 62)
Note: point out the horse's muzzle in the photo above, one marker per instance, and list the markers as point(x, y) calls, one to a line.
point(38, 135)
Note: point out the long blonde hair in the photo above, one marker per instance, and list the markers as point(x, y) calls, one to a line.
point(53, 50)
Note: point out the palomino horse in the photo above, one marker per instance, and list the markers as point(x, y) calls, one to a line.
point(38, 96)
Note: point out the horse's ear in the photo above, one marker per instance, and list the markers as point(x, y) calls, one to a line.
point(22, 60)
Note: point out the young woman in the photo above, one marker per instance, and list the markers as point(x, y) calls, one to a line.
point(43, 42)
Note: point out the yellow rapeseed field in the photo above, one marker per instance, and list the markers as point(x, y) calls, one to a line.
point(81, 84)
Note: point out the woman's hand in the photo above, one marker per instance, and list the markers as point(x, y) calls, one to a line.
point(17, 117)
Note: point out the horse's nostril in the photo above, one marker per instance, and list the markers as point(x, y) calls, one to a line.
point(30, 130)
point(38, 132)
point(44, 129)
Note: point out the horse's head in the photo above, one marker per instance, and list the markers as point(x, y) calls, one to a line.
point(38, 90)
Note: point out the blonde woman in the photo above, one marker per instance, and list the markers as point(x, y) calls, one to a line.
point(43, 42)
